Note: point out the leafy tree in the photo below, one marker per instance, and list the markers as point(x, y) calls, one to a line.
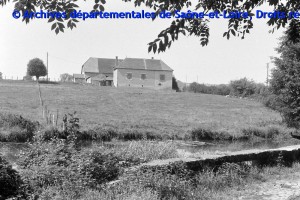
point(242, 87)
point(285, 81)
point(66, 77)
point(221, 89)
point(184, 26)
point(37, 68)
point(1, 76)
point(175, 84)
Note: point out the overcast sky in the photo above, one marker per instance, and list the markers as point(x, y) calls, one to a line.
point(221, 61)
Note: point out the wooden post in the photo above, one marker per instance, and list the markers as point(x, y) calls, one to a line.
point(56, 118)
point(53, 120)
point(44, 112)
point(40, 93)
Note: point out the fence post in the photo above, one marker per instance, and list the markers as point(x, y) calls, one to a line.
point(53, 120)
point(56, 117)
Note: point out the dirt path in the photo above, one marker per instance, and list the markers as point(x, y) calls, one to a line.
point(278, 188)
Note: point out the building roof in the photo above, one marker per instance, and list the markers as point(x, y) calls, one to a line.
point(99, 65)
point(78, 76)
point(143, 64)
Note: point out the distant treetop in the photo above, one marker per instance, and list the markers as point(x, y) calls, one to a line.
point(37, 68)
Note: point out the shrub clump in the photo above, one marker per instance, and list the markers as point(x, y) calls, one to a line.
point(14, 128)
point(105, 134)
point(10, 181)
point(206, 134)
point(62, 165)
point(262, 132)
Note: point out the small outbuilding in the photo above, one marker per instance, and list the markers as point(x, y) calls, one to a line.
point(79, 78)
point(100, 80)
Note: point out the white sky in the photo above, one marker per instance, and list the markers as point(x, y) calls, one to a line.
point(221, 61)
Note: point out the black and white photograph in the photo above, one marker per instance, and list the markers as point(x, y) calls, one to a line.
point(149, 100)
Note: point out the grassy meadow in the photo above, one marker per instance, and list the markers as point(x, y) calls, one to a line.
point(161, 112)
point(54, 164)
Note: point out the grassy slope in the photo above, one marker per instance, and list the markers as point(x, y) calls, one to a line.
point(158, 111)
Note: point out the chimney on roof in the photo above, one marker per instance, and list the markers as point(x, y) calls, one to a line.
point(152, 58)
point(117, 61)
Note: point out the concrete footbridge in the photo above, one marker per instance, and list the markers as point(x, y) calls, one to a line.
point(285, 155)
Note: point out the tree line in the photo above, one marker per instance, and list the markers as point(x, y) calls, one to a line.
point(239, 88)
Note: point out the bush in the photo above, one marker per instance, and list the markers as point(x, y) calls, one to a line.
point(209, 89)
point(15, 128)
point(10, 180)
point(205, 134)
point(48, 82)
point(61, 164)
point(175, 84)
point(103, 166)
point(242, 87)
point(262, 132)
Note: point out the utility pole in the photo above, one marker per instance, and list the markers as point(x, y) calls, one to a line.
point(47, 68)
point(197, 79)
point(267, 74)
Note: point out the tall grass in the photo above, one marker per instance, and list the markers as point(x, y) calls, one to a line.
point(139, 151)
point(180, 184)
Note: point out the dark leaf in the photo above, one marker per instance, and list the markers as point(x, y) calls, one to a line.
point(51, 20)
point(53, 26)
point(149, 48)
point(101, 8)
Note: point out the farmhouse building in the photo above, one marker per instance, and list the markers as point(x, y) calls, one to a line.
point(130, 72)
point(138, 72)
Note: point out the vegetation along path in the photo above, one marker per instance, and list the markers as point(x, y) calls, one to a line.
point(281, 186)
point(285, 187)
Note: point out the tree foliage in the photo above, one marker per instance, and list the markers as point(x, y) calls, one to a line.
point(188, 26)
point(66, 77)
point(285, 82)
point(242, 87)
point(175, 84)
point(238, 88)
point(221, 89)
point(37, 68)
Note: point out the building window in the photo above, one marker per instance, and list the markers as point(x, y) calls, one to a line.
point(143, 76)
point(162, 77)
point(129, 76)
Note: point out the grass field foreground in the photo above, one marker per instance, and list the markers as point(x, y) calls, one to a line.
point(143, 110)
